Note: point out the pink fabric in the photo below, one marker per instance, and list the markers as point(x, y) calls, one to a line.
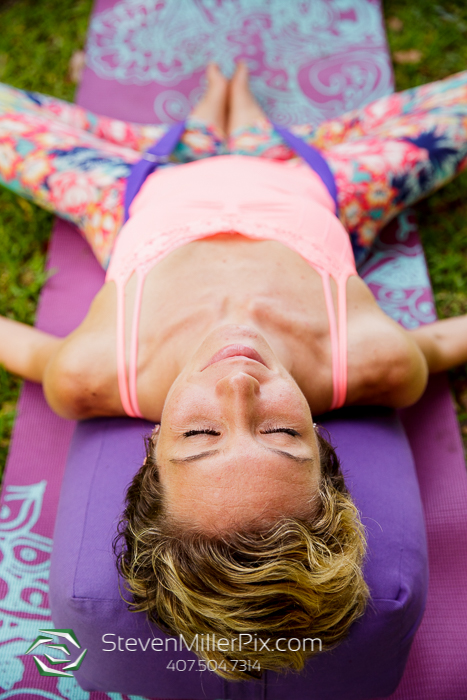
point(256, 197)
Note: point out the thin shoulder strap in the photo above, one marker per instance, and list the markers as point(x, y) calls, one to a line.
point(337, 330)
point(333, 335)
point(338, 335)
point(342, 313)
point(121, 360)
point(134, 344)
point(128, 392)
point(154, 156)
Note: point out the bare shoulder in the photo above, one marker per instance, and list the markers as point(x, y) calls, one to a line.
point(385, 365)
point(80, 378)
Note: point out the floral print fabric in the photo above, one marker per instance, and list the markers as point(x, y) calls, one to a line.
point(384, 157)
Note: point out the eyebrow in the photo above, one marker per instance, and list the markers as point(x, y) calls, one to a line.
point(203, 455)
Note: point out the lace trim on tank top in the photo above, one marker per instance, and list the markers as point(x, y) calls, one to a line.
point(145, 255)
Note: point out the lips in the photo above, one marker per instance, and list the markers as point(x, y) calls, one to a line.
point(235, 351)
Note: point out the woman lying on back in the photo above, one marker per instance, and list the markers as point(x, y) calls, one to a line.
point(233, 304)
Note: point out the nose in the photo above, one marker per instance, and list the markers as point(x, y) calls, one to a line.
point(238, 385)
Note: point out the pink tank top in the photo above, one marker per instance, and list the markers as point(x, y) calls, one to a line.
point(258, 198)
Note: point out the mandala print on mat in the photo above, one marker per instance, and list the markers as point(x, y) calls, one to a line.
point(397, 274)
point(24, 573)
point(24, 607)
point(309, 61)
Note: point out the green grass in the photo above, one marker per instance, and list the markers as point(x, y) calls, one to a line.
point(37, 40)
point(439, 32)
point(39, 37)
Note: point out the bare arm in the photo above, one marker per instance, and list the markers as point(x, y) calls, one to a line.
point(432, 348)
point(25, 350)
point(54, 362)
point(443, 343)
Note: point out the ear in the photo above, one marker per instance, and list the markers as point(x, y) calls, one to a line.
point(151, 442)
point(154, 438)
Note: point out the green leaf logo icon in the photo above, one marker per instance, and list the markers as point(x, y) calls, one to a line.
point(46, 640)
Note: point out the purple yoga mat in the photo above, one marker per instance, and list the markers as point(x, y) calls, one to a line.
point(437, 665)
point(339, 61)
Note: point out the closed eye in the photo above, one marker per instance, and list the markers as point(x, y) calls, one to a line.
point(288, 431)
point(189, 433)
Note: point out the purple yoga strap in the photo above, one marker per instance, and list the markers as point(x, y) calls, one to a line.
point(160, 152)
point(154, 156)
point(313, 157)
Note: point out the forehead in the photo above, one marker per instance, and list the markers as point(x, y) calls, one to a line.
point(225, 490)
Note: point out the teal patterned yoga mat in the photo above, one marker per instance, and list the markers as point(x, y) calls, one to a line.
point(308, 60)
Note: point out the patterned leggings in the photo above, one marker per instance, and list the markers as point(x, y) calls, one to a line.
point(385, 156)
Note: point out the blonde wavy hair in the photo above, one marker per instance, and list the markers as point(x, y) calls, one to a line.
point(294, 580)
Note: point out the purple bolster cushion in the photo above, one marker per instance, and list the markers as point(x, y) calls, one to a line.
point(85, 591)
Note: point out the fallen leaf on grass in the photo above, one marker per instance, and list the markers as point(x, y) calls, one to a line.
point(410, 56)
point(76, 66)
point(395, 24)
point(27, 278)
point(27, 208)
point(7, 407)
